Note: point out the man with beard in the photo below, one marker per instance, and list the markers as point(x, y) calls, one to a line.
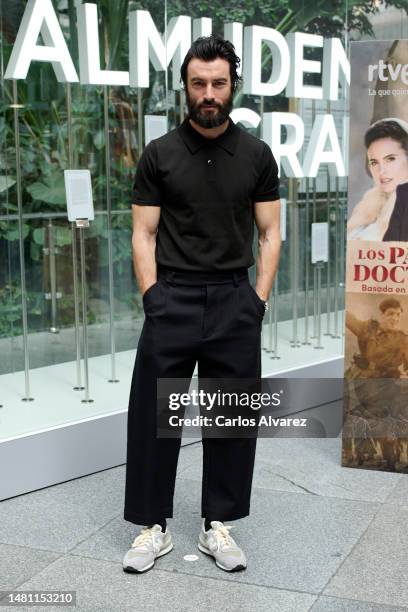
point(197, 192)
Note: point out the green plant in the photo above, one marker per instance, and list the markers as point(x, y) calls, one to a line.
point(45, 132)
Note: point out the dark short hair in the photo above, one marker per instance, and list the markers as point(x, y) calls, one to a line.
point(209, 48)
point(389, 303)
point(387, 129)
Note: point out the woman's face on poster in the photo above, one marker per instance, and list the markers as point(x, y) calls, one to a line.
point(388, 164)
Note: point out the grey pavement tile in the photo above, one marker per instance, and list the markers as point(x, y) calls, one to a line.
point(311, 466)
point(333, 604)
point(399, 494)
point(102, 585)
point(293, 541)
point(264, 475)
point(190, 454)
point(18, 564)
point(58, 517)
point(377, 568)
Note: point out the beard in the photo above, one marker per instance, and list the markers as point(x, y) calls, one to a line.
point(209, 119)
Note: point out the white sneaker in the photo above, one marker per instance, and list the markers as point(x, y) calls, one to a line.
point(151, 543)
point(218, 543)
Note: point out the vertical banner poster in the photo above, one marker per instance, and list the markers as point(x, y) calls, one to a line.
point(375, 429)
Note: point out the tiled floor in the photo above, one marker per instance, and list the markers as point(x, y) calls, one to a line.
point(320, 537)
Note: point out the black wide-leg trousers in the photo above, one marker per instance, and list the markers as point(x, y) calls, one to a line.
point(217, 324)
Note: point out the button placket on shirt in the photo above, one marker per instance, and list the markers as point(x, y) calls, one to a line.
point(210, 165)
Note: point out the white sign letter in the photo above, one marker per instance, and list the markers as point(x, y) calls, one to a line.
point(296, 89)
point(88, 43)
point(246, 116)
point(146, 42)
point(253, 38)
point(202, 27)
point(324, 130)
point(39, 17)
point(334, 58)
point(284, 152)
point(234, 32)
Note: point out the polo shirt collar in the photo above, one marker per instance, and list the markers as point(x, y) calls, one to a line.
point(194, 140)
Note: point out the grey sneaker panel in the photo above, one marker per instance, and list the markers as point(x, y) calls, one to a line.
point(226, 552)
point(142, 555)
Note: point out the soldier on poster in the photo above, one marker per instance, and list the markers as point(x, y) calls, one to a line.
point(377, 389)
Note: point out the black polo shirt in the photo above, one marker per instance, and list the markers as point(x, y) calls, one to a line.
point(206, 189)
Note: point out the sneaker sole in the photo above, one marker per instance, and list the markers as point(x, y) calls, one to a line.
point(207, 552)
point(131, 570)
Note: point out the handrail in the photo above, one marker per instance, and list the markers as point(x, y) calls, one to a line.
point(125, 211)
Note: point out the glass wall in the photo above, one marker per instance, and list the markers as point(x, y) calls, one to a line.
point(47, 127)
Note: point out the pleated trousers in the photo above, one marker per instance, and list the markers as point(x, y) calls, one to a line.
point(214, 321)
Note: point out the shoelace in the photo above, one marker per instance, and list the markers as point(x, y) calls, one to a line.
point(223, 533)
point(145, 536)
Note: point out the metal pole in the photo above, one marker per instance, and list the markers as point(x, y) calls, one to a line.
point(113, 378)
point(294, 234)
point(291, 255)
point(53, 278)
point(328, 286)
point(342, 264)
point(314, 303)
point(15, 107)
point(263, 333)
point(268, 341)
point(307, 246)
point(269, 326)
point(78, 386)
point(267, 345)
point(296, 260)
point(319, 266)
point(140, 120)
point(84, 308)
point(295, 264)
point(328, 281)
point(181, 106)
point(314, 217)
point(336, 263)
point(275, 318)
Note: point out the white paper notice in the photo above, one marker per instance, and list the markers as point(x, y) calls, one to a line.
point(283, 219)
point(320, 242)
point(78, 190)
point(155, 126)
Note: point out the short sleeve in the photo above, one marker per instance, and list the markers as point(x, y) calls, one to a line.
point(267, 187)
point(146, 187)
